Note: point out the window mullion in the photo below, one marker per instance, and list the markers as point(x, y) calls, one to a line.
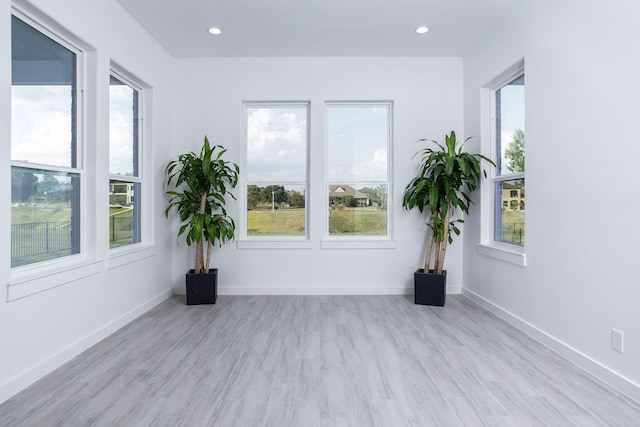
point(509, 177)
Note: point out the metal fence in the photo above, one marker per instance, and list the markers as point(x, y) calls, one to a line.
point(38, 241)
point(39, 238)
point(513, 233)
point(121, 230)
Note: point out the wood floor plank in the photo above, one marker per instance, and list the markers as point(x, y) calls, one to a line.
point(318, 361)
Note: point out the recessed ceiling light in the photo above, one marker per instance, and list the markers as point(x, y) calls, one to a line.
point(215, 31)
point(422, 30)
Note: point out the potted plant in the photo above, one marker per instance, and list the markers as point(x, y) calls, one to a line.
point(201, 184)
point(446, 177)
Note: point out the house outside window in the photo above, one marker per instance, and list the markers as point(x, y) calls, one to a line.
point(277, 137)
point(358, 172)
point(509, 181)
point(125, 180)
point(46, 169)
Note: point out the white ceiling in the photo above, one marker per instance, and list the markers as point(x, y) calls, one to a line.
point(317, 27)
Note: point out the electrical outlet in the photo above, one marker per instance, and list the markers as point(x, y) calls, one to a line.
point(617, 340)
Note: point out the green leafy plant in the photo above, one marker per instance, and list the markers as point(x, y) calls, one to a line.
point(201, 184)
point(447, 175)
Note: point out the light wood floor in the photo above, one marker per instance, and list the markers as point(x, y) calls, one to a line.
point(318, 361)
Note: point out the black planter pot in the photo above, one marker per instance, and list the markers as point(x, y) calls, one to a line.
point(429, 288)
point(202, 288)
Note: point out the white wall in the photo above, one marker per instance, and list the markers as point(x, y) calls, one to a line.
point(581, 278)
point(579, 281)
point(427, 97)
point(41, 331)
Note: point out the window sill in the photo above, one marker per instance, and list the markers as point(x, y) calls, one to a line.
point(507, 253)
point(128, 254)
point(32, 280)
point(354, 243)
point(274, 244)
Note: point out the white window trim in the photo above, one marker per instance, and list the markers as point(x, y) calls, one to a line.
point(506, 252)
point(31, 280)
point(271, 242)
point(35, 278)
point(359, 241)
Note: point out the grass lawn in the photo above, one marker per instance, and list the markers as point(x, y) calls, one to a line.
point(370, 221)
point(281, 222)
point(290, 222)
point(52, 212)
point(120, 226)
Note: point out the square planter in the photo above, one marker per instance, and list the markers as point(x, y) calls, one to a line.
point(429, 288)
point(202, 288)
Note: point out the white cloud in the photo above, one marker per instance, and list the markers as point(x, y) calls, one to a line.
point(506, 138)
point(372, 169)
point(379, 161)
point(358, 140)
point(120, 145)
point(120, 130)
point(277, 144)
point(41, 124)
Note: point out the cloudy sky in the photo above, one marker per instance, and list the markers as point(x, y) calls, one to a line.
point(121, 130)
point(276, 144)
point(358, 143)
point(41, 124)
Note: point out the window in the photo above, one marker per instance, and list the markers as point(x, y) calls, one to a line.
point(509, 182)
point(358, 141)
point(124, 170)
point(46, 173)
point(276, 168)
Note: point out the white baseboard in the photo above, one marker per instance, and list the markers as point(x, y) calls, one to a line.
point(454, 290)
point(29, 376)
point(375, 290)
point(595, 368)
point(372, 290)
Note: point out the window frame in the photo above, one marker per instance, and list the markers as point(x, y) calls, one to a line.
point(138, 156)
point(37, 277)
point(245, 240)
point(488, 246)
point(500, 177)
point(359, 241)
point(78, 163)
